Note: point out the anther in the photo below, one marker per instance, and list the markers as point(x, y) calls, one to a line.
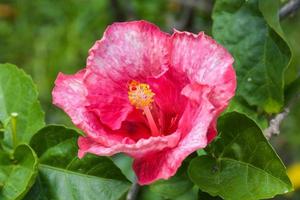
point(141, 96)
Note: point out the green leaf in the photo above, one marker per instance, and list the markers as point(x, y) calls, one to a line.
point(18, 94)
point(205, 196)
point(146, 193)
point(17, 174)
point(293, 91)
point(63, 176)
point(124, 162)
point(37, 192)
point(269, 9)
point(261, 54)
point(238, 105)
point(241, 165)
point(291, 26)
point(175, 186)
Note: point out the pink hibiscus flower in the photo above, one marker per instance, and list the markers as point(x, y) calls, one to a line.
point(153, 96)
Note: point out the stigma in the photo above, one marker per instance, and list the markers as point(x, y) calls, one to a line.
point(140, 95)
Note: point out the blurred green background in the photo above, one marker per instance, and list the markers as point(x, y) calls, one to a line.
point(45, 37)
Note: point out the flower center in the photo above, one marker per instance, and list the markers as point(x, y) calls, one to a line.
point(141, 96)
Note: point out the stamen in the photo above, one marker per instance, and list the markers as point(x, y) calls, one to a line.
point(141, 96)
point(153, 127)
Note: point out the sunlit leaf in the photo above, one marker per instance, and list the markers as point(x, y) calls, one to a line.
point(18, 95)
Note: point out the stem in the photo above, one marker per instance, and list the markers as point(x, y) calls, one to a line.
point(274, 127)
point(133, 192)
point(289, 8)
point(152, 124)
point(14, 128)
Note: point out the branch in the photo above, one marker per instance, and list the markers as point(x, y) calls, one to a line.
point(274, 127)
point(289, 8)
point(133, 192)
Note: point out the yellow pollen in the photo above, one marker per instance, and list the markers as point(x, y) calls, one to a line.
point(140, 94)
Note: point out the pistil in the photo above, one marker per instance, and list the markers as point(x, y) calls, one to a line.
point(141, 96)
point(151, 122)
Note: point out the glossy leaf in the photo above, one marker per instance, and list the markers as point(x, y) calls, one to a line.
point(291, 26)
point(240, 106)
point(146, 193)
point(205, 196)
point(269, 9)
point(17, 174)
point(175, 186)
point(124, 162)
point(261, 54)
point(18, 94)
point(240, 165)
point(63, 176)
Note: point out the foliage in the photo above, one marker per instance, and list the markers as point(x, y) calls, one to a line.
point(242, 161)
point(17, 172)
point(61, 173)
point(261, 54)
point(19, 96)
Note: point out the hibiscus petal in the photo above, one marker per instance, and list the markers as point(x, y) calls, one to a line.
point(163, 165)
point(69, 94)
point(136, 150)
point(208, 66)
point(201, 58)
point(128, 51)
point(107, 99)
point(167, 93)
point(112, 111)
